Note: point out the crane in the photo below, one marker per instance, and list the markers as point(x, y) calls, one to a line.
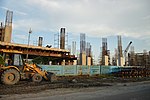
point(125, 52)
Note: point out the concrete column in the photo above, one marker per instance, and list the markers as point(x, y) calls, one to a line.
point(63, 62)
point(74, 62)
point(69, 63)
point(89, 61)
point(82, 59)
point(8, 32)
point(106, 61)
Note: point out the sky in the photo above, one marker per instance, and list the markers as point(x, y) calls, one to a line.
point(96, 18)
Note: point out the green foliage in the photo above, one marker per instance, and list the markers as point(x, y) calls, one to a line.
point(2, 62)
point(41, 60)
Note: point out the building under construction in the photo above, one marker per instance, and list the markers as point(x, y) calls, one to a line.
point(82, 49)
point(56, 55)
point(131, 58)
point(115, 58)
point(85, 51)
point(105, 57)
point(120, 61)
point(73, 48)
point(139, 59)
point(85, 58)
point(88, 54)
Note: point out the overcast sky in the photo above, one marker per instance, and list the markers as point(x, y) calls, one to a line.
point(96, 18)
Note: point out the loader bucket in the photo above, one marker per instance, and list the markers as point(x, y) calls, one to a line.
point(51, 77)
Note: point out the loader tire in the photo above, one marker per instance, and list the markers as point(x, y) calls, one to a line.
point(10, 77)
point(37, 78)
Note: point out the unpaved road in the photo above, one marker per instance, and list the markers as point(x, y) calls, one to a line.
point(116, 91)
point(25, 87)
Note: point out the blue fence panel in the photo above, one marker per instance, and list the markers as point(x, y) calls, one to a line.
point(66, 70)
point(83, 70)
point(58, 70)
point(115, 69)
point(94, 70)
point(105, 70)
point(69, 70)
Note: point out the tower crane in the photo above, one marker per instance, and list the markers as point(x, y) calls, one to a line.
point(125, 52)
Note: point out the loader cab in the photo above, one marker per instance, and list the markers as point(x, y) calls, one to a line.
point(12, 59)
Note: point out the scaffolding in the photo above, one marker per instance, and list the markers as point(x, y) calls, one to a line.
point(115, 57)
point(67, 46)
point(74, 47)
point(104, 46)
point(88, 49)
point(139, 59)
point(82, 43)
point(56, 40)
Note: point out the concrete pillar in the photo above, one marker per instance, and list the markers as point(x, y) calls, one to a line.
point(63, 62)
point(82, 59)
point(74, 62)
point(106, 60)
point(89, 61)
point(69, 63)
point(8, 32)
point(121, 61)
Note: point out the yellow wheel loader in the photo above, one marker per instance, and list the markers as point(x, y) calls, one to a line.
point(13, 69)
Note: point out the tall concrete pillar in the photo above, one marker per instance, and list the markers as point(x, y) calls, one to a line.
point(40, 42)
point(82, 59)
point(8, 26)
point(62, 38)
point(8, 32)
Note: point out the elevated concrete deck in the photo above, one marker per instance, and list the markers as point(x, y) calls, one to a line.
point(35, 50)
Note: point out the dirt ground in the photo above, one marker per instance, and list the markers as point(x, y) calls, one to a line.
point(26, 87)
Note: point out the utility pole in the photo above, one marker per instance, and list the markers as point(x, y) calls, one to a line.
point(30, 31)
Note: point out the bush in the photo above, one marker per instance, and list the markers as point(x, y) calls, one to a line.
point(1, 60)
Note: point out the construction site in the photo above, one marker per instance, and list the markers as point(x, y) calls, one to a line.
point(61, 53)
point(71, 69)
